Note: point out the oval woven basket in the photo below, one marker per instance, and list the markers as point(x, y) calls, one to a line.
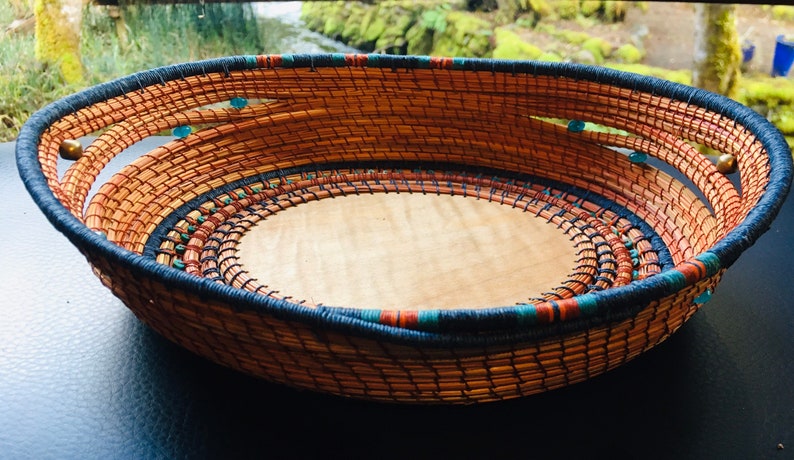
point(595, 176)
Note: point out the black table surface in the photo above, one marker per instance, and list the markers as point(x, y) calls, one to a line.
point(81, 377)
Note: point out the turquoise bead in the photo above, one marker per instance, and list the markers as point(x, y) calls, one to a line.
point(178, 264)
point(637, 157)
point(181, 131)
point(576, 126)
point(238, 102)
point(704, 297)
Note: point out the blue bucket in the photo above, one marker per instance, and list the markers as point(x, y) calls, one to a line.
point(784, 56)
point(748, 51)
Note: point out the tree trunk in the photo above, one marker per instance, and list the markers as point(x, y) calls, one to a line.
point(717, 54)
point(58, 36)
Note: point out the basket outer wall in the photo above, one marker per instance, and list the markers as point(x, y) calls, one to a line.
point(334, 362)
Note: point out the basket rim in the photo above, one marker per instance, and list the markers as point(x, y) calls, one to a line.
point(591, 308)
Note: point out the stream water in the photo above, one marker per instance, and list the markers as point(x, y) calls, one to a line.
point(285, 32)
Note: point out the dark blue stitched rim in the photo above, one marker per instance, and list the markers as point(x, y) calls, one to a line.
point(603, 306)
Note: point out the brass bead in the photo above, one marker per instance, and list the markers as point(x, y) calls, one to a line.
point(726, 164)
point(70, 149)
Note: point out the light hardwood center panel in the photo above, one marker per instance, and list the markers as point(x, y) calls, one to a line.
point(407, 251)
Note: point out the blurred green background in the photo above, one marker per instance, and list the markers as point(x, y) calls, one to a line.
point(655, 38)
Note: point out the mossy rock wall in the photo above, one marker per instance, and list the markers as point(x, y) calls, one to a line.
point(443, 28)
point(509, 45)
point(465, 35)
point(402, 27)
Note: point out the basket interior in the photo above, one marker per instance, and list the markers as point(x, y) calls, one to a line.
point(610, 167)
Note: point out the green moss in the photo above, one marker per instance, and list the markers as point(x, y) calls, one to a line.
point(352, 29)
point(628, 54)
point(393, 39)
point(550, 57)
point(678, 76)
point(590, 7)
point(71, 68)
point(572, 36)
point(56, 42)
point(598, 47)
point(334, 25)
point(509, 45)
point(614, 11)
point(466, 35)
point(724, 64)
point(419, 38)
point(772, 98)
point(375, 27)
point(436, 18)
point(771, 92)
point(311, 14)
point(784, 122)
point(567, 9)
point(541, 7)
point(783, 12)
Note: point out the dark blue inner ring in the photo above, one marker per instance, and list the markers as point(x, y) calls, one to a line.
point(153, 243)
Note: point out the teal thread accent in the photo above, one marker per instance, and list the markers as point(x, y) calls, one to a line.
point(184, 237)
point(712, 262)
point(250, 61)
point(287, 60)
point(227, 201)
point(458, 63)
point(371, 315)
point(338, 59)
point(428, 319)
point(201, 219)
point(178, 264)
point(242, 195)
point(373, 60)
point(527, 314)
point(588, 304)
point(191, 228)
point(180, 248)
point(423, 62)
point(674, 279)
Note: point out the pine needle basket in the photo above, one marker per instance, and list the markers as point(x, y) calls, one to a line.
point(610, 160)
